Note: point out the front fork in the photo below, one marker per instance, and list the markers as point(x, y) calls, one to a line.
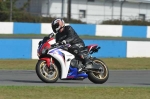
point(48, 61)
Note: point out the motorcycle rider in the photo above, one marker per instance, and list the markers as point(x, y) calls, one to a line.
point(66, 34)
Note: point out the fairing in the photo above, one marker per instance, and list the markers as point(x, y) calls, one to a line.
point(64, 58)
point(73, 74)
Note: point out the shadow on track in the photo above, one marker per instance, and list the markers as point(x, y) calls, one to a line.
point(58, 82)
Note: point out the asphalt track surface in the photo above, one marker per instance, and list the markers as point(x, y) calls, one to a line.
point(117, 78)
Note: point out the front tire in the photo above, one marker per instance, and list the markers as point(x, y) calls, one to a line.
point(99, 76)
point(46, 74)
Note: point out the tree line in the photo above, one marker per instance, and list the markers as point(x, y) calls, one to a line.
point(9, 12)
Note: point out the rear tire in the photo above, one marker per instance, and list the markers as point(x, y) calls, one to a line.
point(99, 76)
point(47, 75)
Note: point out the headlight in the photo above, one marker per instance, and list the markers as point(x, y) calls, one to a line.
point(44, 51)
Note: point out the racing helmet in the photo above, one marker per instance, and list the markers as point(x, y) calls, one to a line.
point(56, 26)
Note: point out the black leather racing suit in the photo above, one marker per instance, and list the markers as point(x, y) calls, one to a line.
point(71, 37)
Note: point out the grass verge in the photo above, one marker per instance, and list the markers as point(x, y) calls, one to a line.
point(40, 36)
point(112, 63)
point(26, 92)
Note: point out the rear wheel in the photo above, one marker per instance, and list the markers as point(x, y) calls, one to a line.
point(47, 74)
point(101, 75)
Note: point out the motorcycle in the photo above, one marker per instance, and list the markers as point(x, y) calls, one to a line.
point(56, 62)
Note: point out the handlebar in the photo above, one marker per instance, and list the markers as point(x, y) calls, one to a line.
point(95, 50)
point(51, 35)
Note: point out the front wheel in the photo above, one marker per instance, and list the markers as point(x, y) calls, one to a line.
point(101, 75)
point(47, 74)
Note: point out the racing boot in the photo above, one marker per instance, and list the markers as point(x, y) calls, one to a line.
point(85, 62)
point(80, 68)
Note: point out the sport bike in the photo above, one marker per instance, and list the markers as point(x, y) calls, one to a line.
point(56, 62)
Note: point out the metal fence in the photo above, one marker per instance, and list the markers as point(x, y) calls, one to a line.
point(34, 9)
point(24, 16)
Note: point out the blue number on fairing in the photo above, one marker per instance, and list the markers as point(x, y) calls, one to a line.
point(56, 51)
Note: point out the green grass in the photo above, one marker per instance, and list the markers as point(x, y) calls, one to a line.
point(40, 36)
point(25, 92)
point(22, 35)
point(112, 63)
point(128, 63)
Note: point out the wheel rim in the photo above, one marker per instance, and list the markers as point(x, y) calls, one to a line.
point(102, 72)
point(49, 73)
